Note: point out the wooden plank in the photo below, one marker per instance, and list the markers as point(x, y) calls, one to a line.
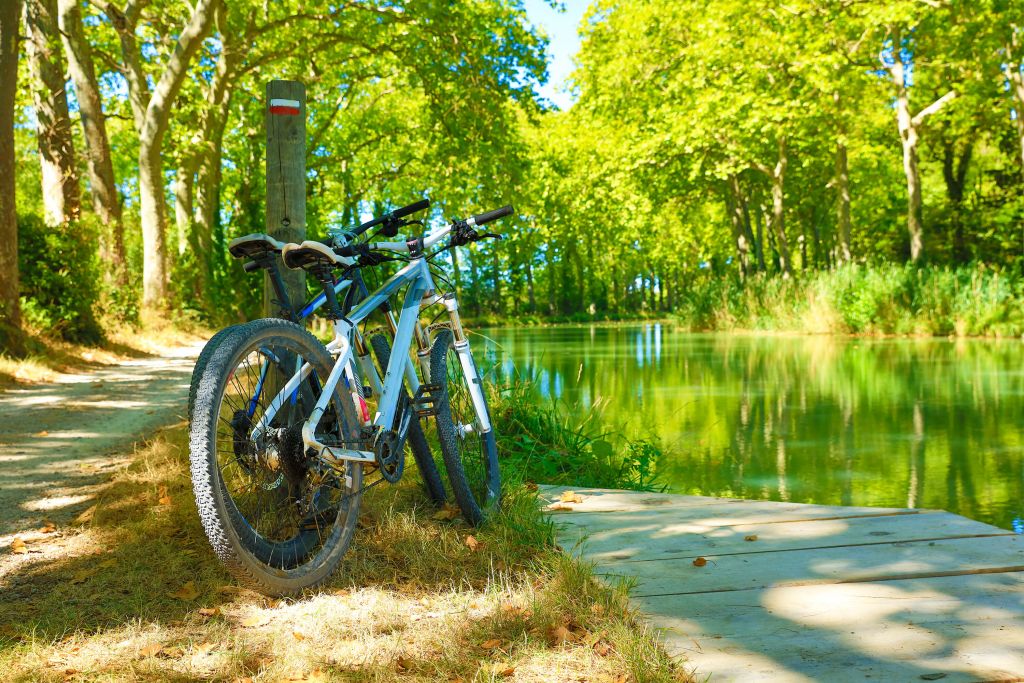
point(717, 516)
point(746, 571)
point(613, 500)
point(968, 627)
point(635, 538)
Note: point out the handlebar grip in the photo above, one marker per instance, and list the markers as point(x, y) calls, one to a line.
point(493, 215)
point(412, 208)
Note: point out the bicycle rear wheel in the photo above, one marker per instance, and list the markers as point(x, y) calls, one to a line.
point(279, 520)
point(470, 454)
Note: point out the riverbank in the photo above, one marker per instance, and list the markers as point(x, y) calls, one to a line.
point(857, 300)
point(113, 578)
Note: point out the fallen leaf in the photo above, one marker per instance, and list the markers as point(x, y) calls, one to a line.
point(602, 648)
point(570, 497)
point(172, 652)
point(48, 527)
point(43, 433)
point(253, 620)
point(560, 634)
point(188, 592)
point(507, 671)
point(403, 664)
point(18, 547)
point(151, 650)
point(205, 648)
point(162, 496)
point(448, 512)
point(209, 611)
point(597, 609)
point(700, 562)
point(492, 644)
point(621, 678)
point(559, 506)
point(298, 635)
point(751, 537)
point(472, 543)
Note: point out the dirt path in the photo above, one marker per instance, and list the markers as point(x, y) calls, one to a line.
point(60, 442)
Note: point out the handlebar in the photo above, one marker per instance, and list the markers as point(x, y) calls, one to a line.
point(395, 215)
point(459, 238)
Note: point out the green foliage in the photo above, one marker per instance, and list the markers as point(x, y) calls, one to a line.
point(545, 441)
point(59, 278)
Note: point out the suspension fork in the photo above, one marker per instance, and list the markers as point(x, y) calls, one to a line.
point(476, 388)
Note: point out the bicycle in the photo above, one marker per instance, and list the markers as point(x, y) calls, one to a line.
point(279, 488)
point(262, 252)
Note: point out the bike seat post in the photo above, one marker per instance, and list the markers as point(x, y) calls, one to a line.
point(325, 276)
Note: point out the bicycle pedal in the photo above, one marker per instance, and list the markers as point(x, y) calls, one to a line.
point(424, 403)
point(367, 391)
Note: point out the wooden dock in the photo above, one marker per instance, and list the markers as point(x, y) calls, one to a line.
point(794, 592)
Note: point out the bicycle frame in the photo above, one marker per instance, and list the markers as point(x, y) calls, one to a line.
point(420, 293)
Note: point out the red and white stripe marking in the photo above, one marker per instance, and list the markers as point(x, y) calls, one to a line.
point(285, 107)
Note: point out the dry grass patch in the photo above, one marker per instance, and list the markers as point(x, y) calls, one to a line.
point(136, 594)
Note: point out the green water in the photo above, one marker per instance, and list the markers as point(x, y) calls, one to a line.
point(902, 423)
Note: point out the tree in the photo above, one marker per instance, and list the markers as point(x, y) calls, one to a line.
point(105, 199)
point(61, 196)
point(10, 310)
point(151, 112)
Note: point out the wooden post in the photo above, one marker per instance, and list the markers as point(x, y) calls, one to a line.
point(286, 180)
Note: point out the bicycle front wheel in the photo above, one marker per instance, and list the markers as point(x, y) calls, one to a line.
point(280, 520)
point(470, 453)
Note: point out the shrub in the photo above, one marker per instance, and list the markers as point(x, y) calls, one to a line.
point(547, 442)
point(59, 278)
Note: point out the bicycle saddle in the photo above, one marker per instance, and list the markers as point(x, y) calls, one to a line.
point(310, 254)
point(254, 245)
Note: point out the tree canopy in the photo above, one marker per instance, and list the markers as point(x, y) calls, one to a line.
point(713, 139)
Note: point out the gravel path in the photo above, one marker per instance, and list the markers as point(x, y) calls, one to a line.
point(60, 442)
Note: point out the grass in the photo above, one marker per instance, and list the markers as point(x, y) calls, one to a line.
point(872, 300)
point(133, 592)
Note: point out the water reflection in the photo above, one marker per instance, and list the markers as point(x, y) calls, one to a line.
point(915, 423)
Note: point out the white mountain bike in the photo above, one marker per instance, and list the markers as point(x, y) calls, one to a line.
point(281, 433)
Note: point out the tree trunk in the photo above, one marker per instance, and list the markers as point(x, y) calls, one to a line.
point(1013, 66)
point(778, 178)
point(61, 197)
point(152, 116)
point(736, 204)
point(843, 205)
point(105, 199)
point(184, 180)
point(529, 282)
point(10, 310)
point(954, 172)
point(909, 126)
point(496, 305)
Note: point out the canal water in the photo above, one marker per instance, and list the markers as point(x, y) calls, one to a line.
point(902, 423)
